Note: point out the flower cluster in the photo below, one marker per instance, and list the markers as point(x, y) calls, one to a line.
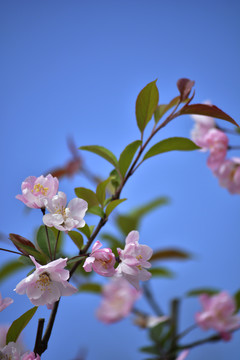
point(132, 260)
point(41, 193)
point(206, 135)
point(218, 314)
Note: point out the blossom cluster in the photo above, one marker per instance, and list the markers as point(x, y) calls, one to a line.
point(208, 136)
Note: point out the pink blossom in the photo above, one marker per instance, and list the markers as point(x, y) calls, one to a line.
point(202, 125)
point(47, 283)
point(12, 351)
point(100, 260)
point(133, 260)
point(218, 314)
point(30, 356)
point(65, 218)
point(35, 191)
point(118, 299)
point(229, 175)
point(217, 143)
point(5, 302)
point(183, 355)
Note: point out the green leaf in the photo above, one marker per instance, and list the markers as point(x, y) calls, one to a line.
point(10, 268)
point(91, 287)
point(163, 108)
point(170, 254)
point(96, 210)
point(127, 155)
point(91, 228)
point(237, 300)
point(88, 195)
point(85, 230)
point(197, 292)
point(126, 223)
point(114, 242)
point(112, 205)
point(207, 110)
point(101, 190)
point(20, 242)
point(25, 260)
point(19, 324)
point(103, 152)
point(150, 349)
point(161, 272)
point(43, 242)
point(171, 144)
point(76, 238)
point(150, 206)
point(146, 104)
point(156, 331)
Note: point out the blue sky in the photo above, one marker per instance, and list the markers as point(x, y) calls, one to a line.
point(74, 68)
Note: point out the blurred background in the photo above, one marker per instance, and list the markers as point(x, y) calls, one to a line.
point(73, 69)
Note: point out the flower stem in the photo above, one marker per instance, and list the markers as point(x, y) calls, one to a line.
point(56, 244)
point(14, 252)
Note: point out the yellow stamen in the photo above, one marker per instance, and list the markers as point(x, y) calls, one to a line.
point(44, 281)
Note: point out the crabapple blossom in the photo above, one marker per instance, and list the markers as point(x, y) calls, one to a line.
point(47, 283)
point(5, 302)
point(218, 314)
point(30, 356)
point(133, 260)
point(217, 143)
point(35, 190)
point(202, 125)
point(229, 175)
point(100, 260)
point(118, 299)
point(183, 355)
point(11, 351)
point(65, 218)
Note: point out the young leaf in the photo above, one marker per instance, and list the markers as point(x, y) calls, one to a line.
point(161, 272)
point(96, 210)
point(126, 223)
point(103, 152)
point(19, 240)
point(207, 110)
point(42, 240)
point(185, 86)
point(91, 287)
point(10, 268)
point(197, 292)
point(163, 108)
point(88, 195)
point(85, 230)
point(101, 190)
point(170, 254)
point(127, 155)
point(76, 238)
point(19, 324)
point(146, 104)
point(171, 144)
point(112, 205)
point(151, 349)
point(150, 206)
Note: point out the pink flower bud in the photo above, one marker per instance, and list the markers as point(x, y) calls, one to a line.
point(100, 260)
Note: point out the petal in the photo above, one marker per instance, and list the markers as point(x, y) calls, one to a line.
point(132, 237)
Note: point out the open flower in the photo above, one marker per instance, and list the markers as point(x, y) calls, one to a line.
point(229, 175)
point(218, 314)
point(35, 191)
point(5, 302)
point(65, 218)
point(217, 143)
point(47, 283)
point(30, 356)
point(100, 260)
point(118, 300)
point(12, 351)
point(133, 260)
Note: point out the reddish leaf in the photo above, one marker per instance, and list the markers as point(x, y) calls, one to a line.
point(169, 254)
point(185, 86)
point(17, 240)
point(207, 110)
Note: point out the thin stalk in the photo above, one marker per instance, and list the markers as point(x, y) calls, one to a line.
point(186, 331)
point(46, 229)
point(39, 336)
point(152, 302)
point(56, 244)
point(14, 252)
